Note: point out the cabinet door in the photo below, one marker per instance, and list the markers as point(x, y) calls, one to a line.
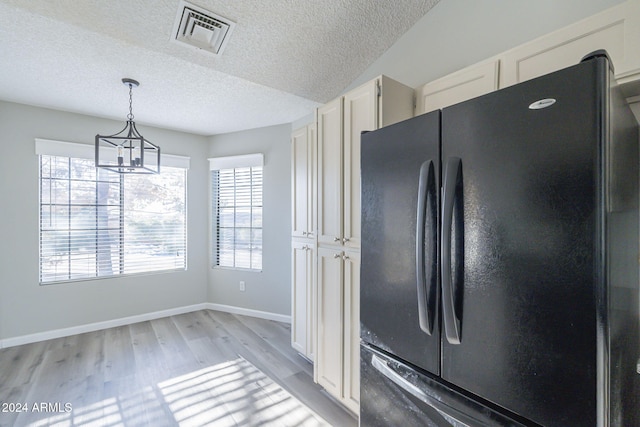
point(312, 176)
point(457, 87)
point(330, 349)
point(330, 172)
point(312, 293)
point(300, 183)
point(301, 298)
point(617, 30)
point(360, 114)
point(351, 388)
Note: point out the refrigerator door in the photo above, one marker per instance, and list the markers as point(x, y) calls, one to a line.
point(400, 171)
point(394, 394)
point(522, 219)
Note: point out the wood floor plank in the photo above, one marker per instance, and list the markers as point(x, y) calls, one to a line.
point(256, 349)
point(193, 400)
point(21, 362)
point(213, 328)
point(193, 325)
point(278, 336)
point(195, 369)
point(173, 345)
point(12, 394)
point(150, 361)
point(311, 395)
point(212, 351)
point(119, 356)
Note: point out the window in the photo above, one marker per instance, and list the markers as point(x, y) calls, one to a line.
point(97, 223)
point(237, 212)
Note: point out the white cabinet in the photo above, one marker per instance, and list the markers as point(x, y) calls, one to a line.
point(616, 29)
point(465, 84)
point(303, 230)
point(338, 352)
point(360, 114)
point(303, 181)
point(351, 354)
point(330, 160)
point(303, 260)
point(634, 103)
point(377, 103)
point(329, 353)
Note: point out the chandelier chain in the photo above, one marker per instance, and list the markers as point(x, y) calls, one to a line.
point(130, 115)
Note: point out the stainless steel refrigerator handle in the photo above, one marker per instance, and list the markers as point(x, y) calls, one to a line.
point(446, 412)
point(421, 279)
point(451, 321)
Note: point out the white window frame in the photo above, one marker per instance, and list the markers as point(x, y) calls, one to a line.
point(44, 147)
point(231, 163)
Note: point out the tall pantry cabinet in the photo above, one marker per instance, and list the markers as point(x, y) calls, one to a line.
point(377, 103)
point(303, 244)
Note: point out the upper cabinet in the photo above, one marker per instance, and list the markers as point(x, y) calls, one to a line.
point(617, 30)
point(330, 157)
point(378, 103)
point(360, 114)
point(303, 181)
point(457, 87)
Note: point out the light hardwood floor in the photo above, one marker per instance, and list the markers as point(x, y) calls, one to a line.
point(205, 368)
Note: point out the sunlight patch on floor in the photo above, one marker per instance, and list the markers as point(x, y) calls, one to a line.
point(228, 394)
point(234, 393)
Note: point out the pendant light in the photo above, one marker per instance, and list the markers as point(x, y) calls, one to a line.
point(127, 151)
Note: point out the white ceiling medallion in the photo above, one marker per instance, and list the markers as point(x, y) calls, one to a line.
point(202, 29)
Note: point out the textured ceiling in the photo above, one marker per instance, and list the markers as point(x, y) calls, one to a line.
point(284, 58)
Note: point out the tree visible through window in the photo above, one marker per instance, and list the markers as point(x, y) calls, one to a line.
point(97, 223)
point(237, 217)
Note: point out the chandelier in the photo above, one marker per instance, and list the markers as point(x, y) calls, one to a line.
point(127, 151)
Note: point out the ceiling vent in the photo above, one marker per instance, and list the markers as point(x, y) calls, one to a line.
point(199, 28)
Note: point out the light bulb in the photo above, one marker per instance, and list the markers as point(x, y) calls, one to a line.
point(136, 157)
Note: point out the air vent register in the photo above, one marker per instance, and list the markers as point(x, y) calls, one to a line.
point(201, 29)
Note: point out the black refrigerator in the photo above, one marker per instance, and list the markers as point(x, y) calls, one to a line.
point(499, 272)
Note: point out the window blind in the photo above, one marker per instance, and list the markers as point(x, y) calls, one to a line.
point(80, 211)
point(96, 223)
point(237, 212)
point(154, 226)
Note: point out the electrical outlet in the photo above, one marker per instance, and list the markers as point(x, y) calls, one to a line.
point(242, 289)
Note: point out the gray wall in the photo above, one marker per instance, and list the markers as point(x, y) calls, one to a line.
point(457, 33)
point(25, 306)
point(269, 290)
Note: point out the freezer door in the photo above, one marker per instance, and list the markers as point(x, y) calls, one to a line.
point(521, 233)
point(400, 170)
point(394, 394)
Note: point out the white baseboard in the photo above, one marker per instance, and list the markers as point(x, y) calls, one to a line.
point(249, 312)
point(90, 327)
